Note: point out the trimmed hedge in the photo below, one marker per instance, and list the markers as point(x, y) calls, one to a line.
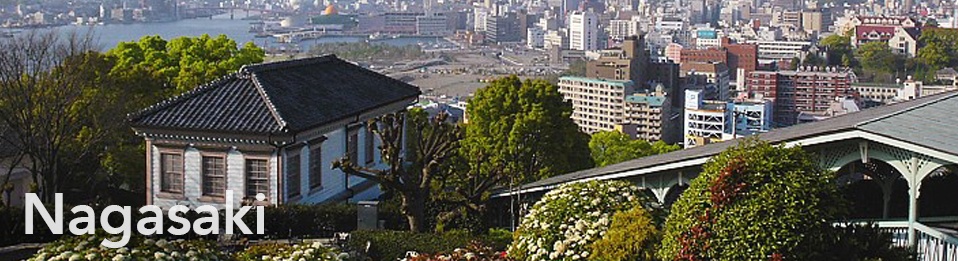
point(304, 221)
point(392, 245)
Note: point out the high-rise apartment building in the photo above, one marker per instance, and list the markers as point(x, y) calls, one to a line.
point(597, 104)
point(808, 91)
point(621, 29)
point(647, 116)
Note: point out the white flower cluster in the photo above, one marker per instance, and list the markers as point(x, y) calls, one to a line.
point(306, 251)
point(562, 224)
point(471, 253)
point(88, 247)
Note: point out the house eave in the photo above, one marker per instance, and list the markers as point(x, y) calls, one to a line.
point(153, 132)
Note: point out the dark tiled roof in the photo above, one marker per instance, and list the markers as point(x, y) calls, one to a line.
point(289, 96)
point(232, 104)
point(309, 92)
point(927, 121)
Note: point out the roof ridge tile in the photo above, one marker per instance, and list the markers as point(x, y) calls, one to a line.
point(269, 102)
point(266, 66)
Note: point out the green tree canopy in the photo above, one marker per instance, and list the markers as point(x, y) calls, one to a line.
point(836, 46)
point(182, 63)
point(939, 47)
point(523, 129)
point(754, 201)
point(611, 147)
point(879, 61)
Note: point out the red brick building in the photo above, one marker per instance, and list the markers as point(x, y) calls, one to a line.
point(744, 56)
point(711, 55)
point(735, 56)
point(801, 91)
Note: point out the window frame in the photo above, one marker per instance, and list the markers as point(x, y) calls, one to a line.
point(204, 196)
point(369, 145)
point(177, 152)
point(246, 175)
point(288, 173)
point(352, 148)
point(315, 165)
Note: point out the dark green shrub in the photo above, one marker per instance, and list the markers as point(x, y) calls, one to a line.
point(305, 221)
point(498, 239)
point(632, 235)
point(392, 244)
point(865, 242)
point(754, 201)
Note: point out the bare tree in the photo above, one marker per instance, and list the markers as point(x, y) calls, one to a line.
point(56, 100)
point(431, 143)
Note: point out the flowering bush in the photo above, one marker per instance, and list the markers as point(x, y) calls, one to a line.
point(278, 252)
point(754, 201)
point(474, 252)
point(393, 245)
point(87, 247)
point(563, 224)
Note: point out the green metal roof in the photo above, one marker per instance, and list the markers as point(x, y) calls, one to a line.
point(655, 101)
point(597, 80)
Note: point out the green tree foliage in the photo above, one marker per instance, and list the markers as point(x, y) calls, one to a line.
point(837, 48)
point(935, 54)
point(754, 201)
point(814, 60)
point(523, 130)
point(611, 147)
point(939, 47)
point(879, 62)
point(518, 131)
point(631, 236)
point(182, 63)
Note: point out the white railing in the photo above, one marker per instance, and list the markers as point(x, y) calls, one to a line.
point(930, 244)
point(934, 245)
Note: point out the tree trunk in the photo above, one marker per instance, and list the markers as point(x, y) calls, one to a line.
point(414, 207)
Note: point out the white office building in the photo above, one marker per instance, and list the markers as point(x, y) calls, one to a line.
point(620, 29)
point(535, 37)
point(705, 121)
point(583, 31)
